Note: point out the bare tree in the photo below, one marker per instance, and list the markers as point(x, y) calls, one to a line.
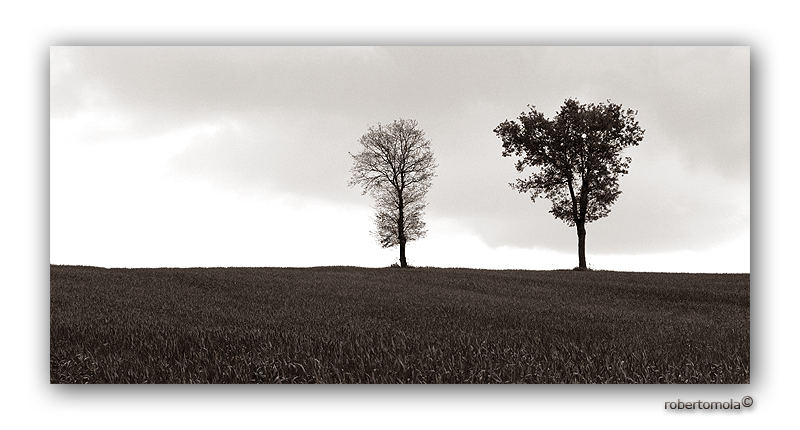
point(396, 167)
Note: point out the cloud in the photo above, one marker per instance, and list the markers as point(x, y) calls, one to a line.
point(282, 120)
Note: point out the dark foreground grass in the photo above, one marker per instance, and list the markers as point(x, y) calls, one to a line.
point(354, 325)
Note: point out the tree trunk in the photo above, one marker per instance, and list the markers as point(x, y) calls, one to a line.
point(581, 246)
point(403, 253)
point(401, 236)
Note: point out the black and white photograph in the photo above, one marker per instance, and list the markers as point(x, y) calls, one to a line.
point(372, 214)
point(399, 215)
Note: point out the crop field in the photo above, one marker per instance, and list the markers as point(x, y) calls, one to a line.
point(420, 325)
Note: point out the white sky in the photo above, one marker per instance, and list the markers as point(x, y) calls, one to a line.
point(227, 156)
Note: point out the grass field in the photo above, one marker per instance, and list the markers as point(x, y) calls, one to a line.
point(421, 325)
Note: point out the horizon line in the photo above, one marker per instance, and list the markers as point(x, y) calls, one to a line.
point(390, 267)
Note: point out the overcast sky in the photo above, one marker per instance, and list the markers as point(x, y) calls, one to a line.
point(238, 156)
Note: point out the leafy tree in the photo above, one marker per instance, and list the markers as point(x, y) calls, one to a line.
point(396, 167)
point(576, 159)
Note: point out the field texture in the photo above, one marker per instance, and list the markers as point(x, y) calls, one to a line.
point(421, 325)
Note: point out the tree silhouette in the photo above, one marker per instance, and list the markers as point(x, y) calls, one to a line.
point(576, 159)
point(396, 167)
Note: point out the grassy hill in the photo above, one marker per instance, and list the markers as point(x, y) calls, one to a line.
point(421, 325)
